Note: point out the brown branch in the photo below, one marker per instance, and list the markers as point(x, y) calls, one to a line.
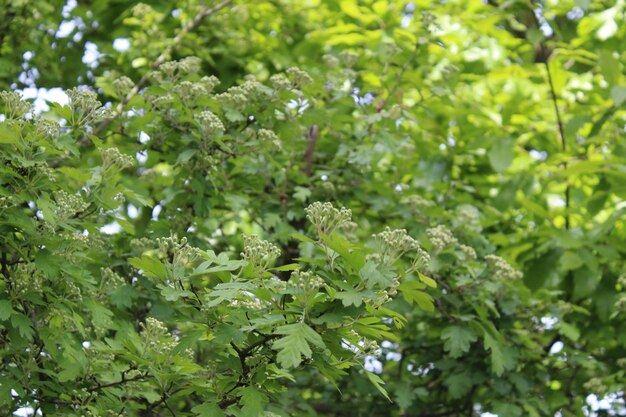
point(310, 150)
point(243, 355)
point(124, 380)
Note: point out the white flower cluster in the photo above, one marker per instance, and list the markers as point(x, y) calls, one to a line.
point(394, 243)
point(238, 96)
point(268, 136)
point(331, 60)
point(111, 278)
point(501, 268)
point(210, 124)
point(7, 202)
point(27, 278)
point(327, 218)
point(468, 217)
point(349, 58)
point(259, 253)
point(14, 106)
point(122, 86)
point(280, 82)
point(209, 83)
point(416, 201)
point(188, 91)
point(46, 128)
point(171, 70)
point(156, 337)
point(305, 281)
point(441, 237)
point(176, 251)
point(113, 158)
point(299, 77)
point(86, 106)
point(468, 252)
point(69, 205)
point(141, 245)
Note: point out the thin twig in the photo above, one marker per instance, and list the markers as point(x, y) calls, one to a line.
point(310, 150)
point(557, 112)
point(399, 77)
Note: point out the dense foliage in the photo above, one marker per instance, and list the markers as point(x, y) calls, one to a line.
point(313, 208)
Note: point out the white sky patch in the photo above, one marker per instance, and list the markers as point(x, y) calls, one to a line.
point(121, 44)
point(549, 322)
point(111, 228)
point(67, 9)
point(556, 348)
point(156, 211)
point(143, 137)
point(142, 157)
point(66, 28)
point(42, 95)
point(538, 155)
point(406, 21)
point(26, 412)
point(373, 365)
point(555, 201)
point(132, 211)
point(91, 56)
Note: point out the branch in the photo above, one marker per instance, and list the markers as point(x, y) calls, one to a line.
point(124, 380)
point(310, 150)
point(557, 113)
point(243, 355)
point(399, 77)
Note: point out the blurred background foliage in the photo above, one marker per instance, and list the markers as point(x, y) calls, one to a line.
point(502, 120)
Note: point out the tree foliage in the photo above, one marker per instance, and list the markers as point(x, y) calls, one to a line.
point(313, 208)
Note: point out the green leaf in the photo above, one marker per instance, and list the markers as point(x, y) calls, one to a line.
point(378, 383)
point(427, 280)
point(8, 134)
point(288, 267)
point(301, 194)
point(253, 402)
point(375, 274)
point(618, 95)
point(350, 298)
point(226, 291)
point(458, 339)
point(23, 326)
point(412, 294)
point(303, 238)
point(208, 410)
point(497, 356)
point(501, 154)
point(539, 270)
point(404, 395)
point(151, 267)
point(6, 309)
point(458, 384)
point(352, 254)
point(295, 344)
point(47, 263)
point(568, 330)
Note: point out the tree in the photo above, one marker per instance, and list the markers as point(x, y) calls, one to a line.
point(315, 208)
